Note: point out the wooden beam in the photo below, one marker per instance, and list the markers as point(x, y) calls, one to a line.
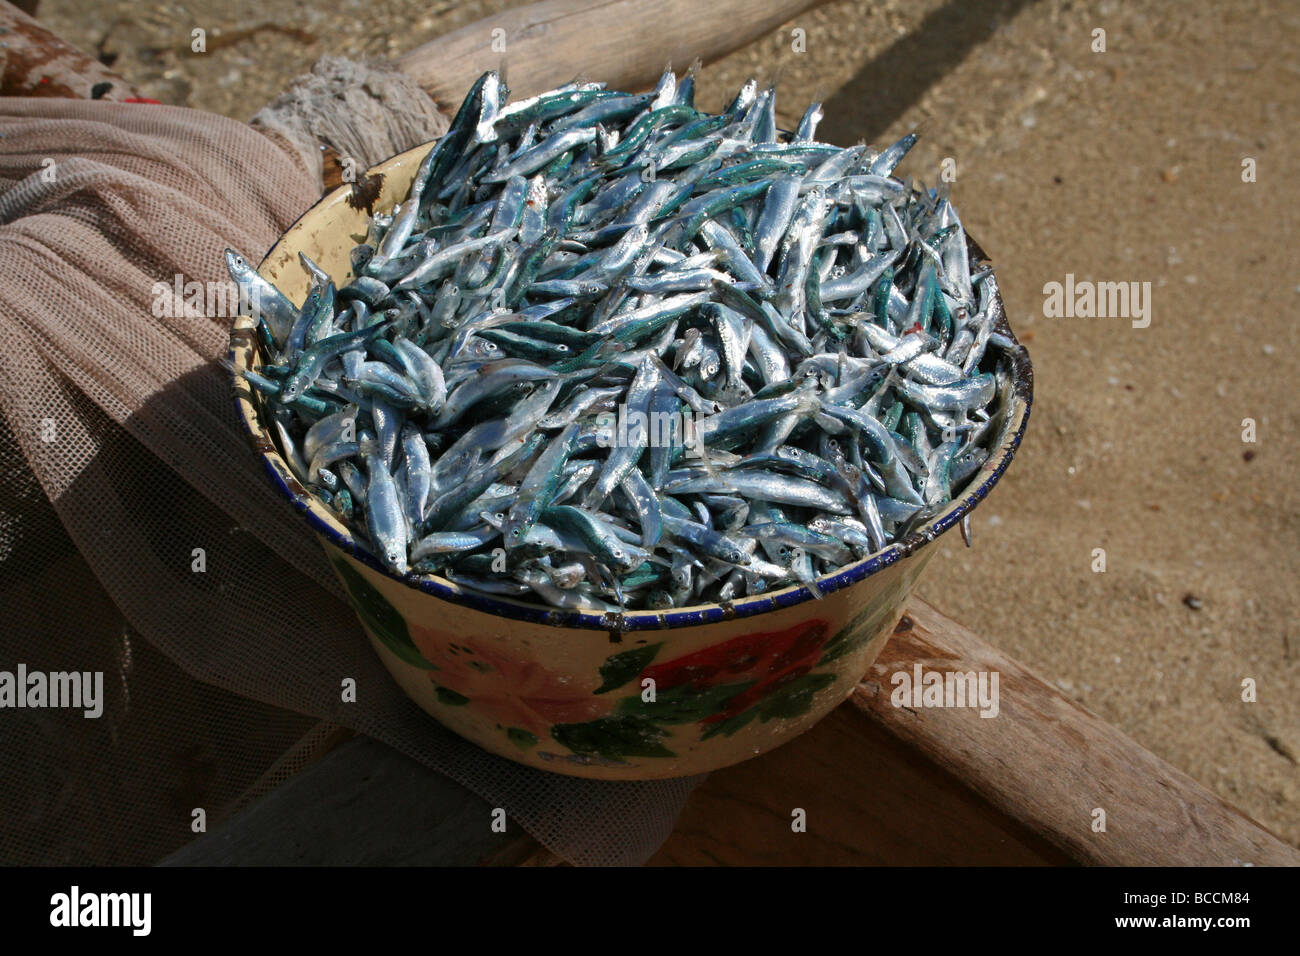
point(625, 43)
point(1051, 763)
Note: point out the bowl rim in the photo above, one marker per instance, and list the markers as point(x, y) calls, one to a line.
point(329, 527)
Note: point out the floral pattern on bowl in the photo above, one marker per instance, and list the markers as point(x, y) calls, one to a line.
point(641, 712)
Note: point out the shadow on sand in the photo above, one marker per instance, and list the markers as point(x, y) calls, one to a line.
point(893, 82)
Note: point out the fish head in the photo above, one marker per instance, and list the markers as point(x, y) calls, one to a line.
point(292, 388)
point(659, 601)
point(395, 559)
point(624, 561)
point(514, 530)
point(237, 265)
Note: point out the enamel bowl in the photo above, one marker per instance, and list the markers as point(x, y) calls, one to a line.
point(637, 695)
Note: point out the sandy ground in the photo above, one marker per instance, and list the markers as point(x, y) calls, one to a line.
point(1123, 165)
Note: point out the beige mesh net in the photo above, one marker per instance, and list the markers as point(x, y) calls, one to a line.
point(120, 454)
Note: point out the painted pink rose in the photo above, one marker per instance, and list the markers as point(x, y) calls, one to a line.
point(510, 688)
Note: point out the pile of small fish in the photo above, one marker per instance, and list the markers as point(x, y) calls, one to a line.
point(614, 353)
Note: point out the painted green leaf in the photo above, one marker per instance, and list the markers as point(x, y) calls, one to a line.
point(858, 631)
point(794, 699)
point(620, 668)
point(521, 738)
point(613, 738)
point(682, 705)
point(730, 725)
point(380, 617)
point(449, 697)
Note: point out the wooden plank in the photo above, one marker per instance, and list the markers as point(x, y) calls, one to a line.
point(364, 804)
point(868, 800)
point(625, 43)
point(886, 784)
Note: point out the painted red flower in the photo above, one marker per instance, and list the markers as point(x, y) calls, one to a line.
point(771, 660)
point(510, 688)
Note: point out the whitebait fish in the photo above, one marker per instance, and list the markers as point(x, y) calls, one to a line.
point(613, 352)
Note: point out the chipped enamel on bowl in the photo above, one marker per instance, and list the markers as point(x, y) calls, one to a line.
point(570, 691)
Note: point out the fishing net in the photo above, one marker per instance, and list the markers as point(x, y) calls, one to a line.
point(138, 534)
